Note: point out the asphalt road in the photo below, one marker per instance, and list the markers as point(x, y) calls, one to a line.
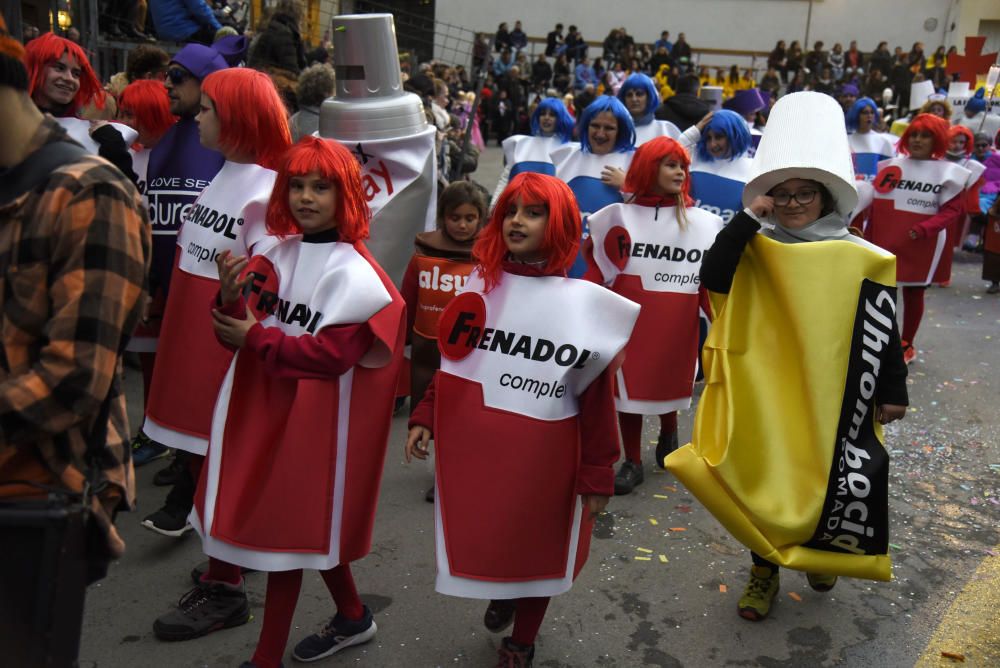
point(624, 612)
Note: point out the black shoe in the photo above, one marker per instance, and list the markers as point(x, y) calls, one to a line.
point(629, 476)
point(202, 568)
point(429, 496)
point(210, 606)
point(499, 615)
point(166, 477)
point(168, 521)
point(513, 655)
point(665, 444)
point(338, 634)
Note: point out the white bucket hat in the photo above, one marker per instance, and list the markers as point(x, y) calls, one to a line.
point(919, 93)
point(805, 138)
point(712, 95)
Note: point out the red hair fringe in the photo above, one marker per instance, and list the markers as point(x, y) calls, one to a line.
point(49, 48)
point(251, 114)
point(336, 164)
point(562, 234)
point(147, 100)
point(644, 171)
point(970, 139)
point(935, 125)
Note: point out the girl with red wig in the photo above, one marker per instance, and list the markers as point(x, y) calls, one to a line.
point(960, 143)
point(650, 251)
point(242, 116)
point(917, 196)
point(303, 414)
point(528, 358)
point(61, 82)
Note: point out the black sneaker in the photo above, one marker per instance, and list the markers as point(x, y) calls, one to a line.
point(167, 477)
point(665, 444)
point(168, 522)
point(499, 615)
point(629, 477)
point(335, 636)
point(210, 606)
point(429, 496)
point(202, 568)
point(512, 655)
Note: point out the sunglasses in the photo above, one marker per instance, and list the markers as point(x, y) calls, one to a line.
point(178, 76)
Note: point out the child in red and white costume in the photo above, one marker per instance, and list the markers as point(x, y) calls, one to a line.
point(650, 251)
point(303, 414)
point(917, 196)
point(243, 117)
point(527, 370)
point(960, 143)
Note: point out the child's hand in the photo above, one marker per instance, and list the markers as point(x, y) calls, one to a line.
point(418, 443)
point(704, 121)
point(595, 504)
point(613, 176)
point(762, 206)
point(232, 331)
point(890, 412)
point(230, 269)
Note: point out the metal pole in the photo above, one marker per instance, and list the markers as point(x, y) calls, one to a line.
point(809, 18)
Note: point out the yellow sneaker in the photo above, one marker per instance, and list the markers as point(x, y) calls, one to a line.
point(755, 603)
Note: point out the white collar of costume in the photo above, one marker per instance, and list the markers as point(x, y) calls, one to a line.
point(79, 131)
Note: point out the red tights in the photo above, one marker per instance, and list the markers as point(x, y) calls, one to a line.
point(528, 618)
point(913, 311)
point(630, 425)
point(279, 606)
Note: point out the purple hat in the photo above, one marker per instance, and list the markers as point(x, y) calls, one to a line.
point(745, 102)
point(849, 89)
point(200, 60)
point(233, 48)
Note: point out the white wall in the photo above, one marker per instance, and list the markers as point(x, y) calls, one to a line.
point(725, 24)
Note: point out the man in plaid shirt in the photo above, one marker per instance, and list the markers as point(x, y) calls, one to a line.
point(74, 251)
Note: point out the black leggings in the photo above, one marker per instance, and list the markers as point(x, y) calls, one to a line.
point(761, 561)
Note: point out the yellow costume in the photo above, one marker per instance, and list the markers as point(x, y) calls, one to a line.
point(783, 405)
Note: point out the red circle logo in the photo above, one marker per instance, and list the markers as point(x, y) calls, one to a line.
point(618, 246)
point(887, 179)
point(461, 325)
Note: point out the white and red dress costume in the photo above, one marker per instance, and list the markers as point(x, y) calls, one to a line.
point(641, 252)
point(522, 411)
point(942, 276)
point(915, 194)
point(301, 424)
point(582, 173)
point(190, 362)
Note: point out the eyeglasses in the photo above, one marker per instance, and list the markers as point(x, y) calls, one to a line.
point(178, 76)
point(803, 197)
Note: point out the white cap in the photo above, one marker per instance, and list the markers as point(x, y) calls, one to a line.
point(805, 138)
point(958, 89)
point(919, 92)
point(712, 95)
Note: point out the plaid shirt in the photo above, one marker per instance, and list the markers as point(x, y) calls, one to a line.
point(74, 255)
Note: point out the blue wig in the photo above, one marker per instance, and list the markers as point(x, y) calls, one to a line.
point(852, 114)
point(731, 124)
point(641, 82)
point(625, 141)
point(564, 122)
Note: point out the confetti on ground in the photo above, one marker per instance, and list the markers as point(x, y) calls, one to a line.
point(670, 488)
point(795, 597)
point(660, 496)
point(645, 549)
point(653, 522)
point(678, 528)
point(723, 588)
point(954, 656)
point(641, 558)
point(894, 546)
point(684, 509)
point(663, 558)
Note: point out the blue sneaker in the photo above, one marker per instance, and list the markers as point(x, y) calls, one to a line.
point(145, 450)
point(335, 636)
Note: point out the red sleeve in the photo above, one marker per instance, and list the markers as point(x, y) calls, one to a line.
point(423, 414)
point(599, 448)
point(409, 291)
point(330, 353)
point(952, 210)
point(593, 273)
point(705, 304)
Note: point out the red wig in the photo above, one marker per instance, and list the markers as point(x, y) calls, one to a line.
point(970, 140)
point(49, 48)
point(252, 117)
point(643, 174)
point(147, 100)
point(336, 164)
point(562, 234)
point(935, 125)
